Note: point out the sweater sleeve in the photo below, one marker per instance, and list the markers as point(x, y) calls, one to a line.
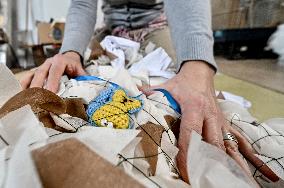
point(80, 23)
point(190, 24)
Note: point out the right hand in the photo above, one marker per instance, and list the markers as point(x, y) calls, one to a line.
point(52, 70)
point(193, 89)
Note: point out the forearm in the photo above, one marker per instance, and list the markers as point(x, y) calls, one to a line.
point(80, 25)
point(190, 23)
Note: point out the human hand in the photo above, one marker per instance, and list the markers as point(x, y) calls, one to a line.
point(52, 70)
point(193, 89)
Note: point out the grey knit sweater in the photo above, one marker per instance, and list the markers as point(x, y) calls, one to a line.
point(189, 22)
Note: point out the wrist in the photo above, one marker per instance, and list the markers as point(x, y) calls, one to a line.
point(199, 69)
point(73, 55)
point(199, 74)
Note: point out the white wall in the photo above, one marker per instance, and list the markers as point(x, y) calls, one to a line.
point(40, 10)
point(43, 10)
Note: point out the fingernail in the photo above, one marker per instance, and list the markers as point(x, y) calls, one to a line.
point(231, 147)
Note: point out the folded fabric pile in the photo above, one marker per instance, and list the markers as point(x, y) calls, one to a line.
point(101, 131)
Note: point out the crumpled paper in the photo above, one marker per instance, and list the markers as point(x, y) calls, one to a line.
point(15, 159)
point(266, 138)
point(129, 152)
point(9, 86)
point(122, 48)
point(166, 164)
point(235, 98)
point(29, 131)
point(71, 164)
point(231, 109)
point(276, 124)
point(21, 171)
point(68, 122)
point(20, 129)
point(209, 167)
point(19, 121)
point(107, 142)
point(151, 113)
point(155, 63)
point(79, 89)
point(2, 165)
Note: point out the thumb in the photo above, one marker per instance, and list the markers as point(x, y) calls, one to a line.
point(149, 90)
point(27, 79)
point(80, 71)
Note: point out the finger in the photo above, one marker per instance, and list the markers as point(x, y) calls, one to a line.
point(41, 74)
point(212, 132)
point(149, 90)
point(213, 123)
point(232, 150)
point(27, 79)
point(74, 68)
point(81, 71)
point(249, 153)
point(192, 120)
point(55, 73)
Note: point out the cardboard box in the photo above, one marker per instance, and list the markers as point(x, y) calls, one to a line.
point(50, 33)
point(239, 14)
point(228, 14)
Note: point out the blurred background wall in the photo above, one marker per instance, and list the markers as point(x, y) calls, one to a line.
point(31, 11)
point(232, 14)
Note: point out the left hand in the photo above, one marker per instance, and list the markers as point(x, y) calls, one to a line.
point(52, 70)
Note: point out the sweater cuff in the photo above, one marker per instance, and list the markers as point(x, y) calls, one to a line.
point(73, 43)
point(196, 48)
